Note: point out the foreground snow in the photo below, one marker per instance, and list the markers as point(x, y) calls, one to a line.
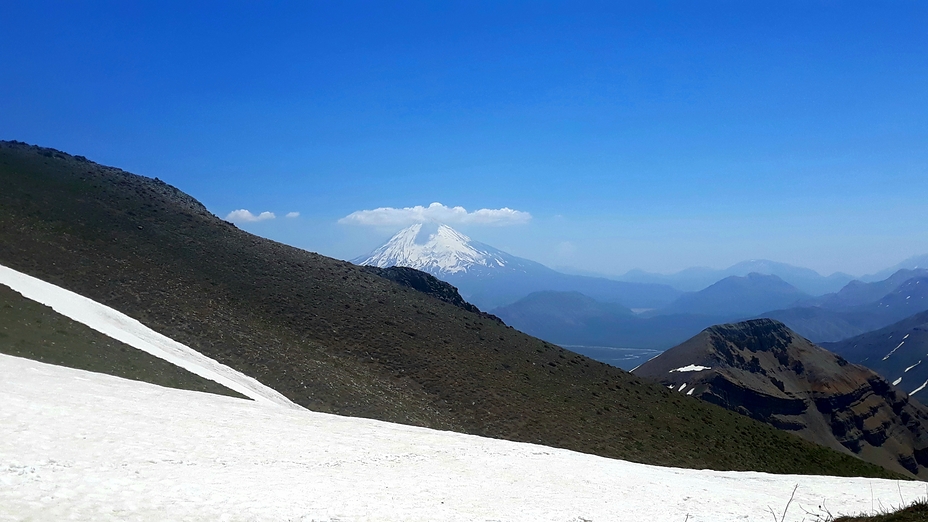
point(85, 446)
point(123, 328)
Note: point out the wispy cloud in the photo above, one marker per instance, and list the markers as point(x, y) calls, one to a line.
point(436, 212)
point(293, 214)
point(245, 216)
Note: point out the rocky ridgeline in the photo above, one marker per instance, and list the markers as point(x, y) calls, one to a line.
point(764, 370)
point(428, 284)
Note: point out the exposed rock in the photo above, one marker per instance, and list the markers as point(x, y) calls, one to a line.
point(427, 284)
point(762, 369)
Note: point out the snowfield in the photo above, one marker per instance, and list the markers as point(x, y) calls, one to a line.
point(123, 328)
point(76, 445)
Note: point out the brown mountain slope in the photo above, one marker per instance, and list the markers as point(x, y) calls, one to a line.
point(32, 330)
point(336, 338)
point(764, 370)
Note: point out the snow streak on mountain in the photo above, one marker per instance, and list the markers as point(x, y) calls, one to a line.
point(436, 249)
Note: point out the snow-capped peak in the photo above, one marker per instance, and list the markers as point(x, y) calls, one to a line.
point(434, 248)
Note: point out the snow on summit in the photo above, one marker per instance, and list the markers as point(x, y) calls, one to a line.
point(436, 249)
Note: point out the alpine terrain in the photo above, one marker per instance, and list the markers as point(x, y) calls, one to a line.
point(763, 370)
point(333, 337)
point(489, 278)
point(696, 278)
point(855, 309)
point(898, 352)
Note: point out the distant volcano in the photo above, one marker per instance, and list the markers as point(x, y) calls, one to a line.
point(488, 277)
point(436, 249)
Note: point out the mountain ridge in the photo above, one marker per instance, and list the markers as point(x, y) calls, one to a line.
point(897, 352)
point(823, 324)
point(335, 338)
point(737, 296)
point(694, 279)
point(490, 278)
point(571, 318)
point(762, 369)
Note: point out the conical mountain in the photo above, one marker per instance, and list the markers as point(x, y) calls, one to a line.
point(762, 369)
point(439, 250)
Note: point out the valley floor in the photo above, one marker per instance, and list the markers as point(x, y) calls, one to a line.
point(86, 446)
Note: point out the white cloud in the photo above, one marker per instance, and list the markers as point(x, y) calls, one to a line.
point(244, 216)
point(293, 214)
point(436, 212)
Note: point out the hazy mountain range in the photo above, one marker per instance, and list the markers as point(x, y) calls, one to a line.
point(488, 277)
point(912, 263)
point(898, 352)
point(697, 278)
point(591, 313)
point(571, 318)
point(843, 316)
point(452, 256)
point(737, 296)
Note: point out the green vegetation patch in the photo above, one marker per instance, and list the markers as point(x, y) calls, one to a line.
point(34, 331)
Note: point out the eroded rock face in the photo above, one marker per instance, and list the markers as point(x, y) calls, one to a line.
point(762, 369)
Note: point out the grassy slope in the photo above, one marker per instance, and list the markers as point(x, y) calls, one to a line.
point(917, 512)
point(29, 329)
point(335, 338)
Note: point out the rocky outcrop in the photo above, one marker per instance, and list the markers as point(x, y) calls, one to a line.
point(763, 370)
point(428, 284)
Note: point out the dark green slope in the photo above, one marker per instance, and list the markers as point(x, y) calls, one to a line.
point(334, 337)
point(32, 330)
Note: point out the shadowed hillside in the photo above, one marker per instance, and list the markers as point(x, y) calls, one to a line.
point(897, 352)
point(336, 338)
point(822, 324)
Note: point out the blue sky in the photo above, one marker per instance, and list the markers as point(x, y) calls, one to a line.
point(653, 135)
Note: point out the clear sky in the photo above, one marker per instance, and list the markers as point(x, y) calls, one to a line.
point(653, 135)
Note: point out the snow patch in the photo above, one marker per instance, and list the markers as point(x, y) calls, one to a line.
point(691, 368)
point(894, 350)
point(691, 391)
point(920, 388)
point(649, 360)
point(123, 328)
point(104, 448)
point(913, 366)
point(682, 386)
point(897, 381)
